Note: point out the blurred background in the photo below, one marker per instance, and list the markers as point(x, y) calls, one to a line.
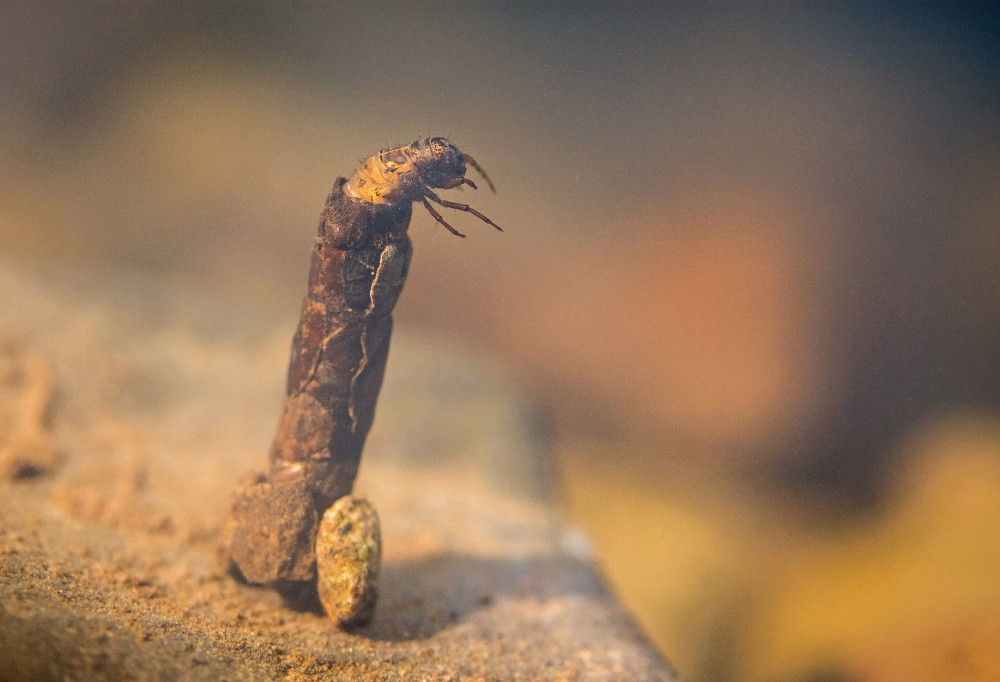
point(750, 269)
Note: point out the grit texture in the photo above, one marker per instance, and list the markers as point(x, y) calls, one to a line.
point(129, 409)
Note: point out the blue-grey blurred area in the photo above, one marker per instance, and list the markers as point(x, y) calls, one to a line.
point(755, 242)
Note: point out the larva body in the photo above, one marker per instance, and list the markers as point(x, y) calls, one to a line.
point(411, 173)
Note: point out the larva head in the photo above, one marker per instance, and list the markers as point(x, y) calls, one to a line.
point(438, 162)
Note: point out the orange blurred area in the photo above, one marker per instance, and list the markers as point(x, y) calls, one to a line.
point(693, 325)
point(750, 268)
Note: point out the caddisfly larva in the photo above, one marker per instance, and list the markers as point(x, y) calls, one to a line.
point(409, 173)
point(359, 265)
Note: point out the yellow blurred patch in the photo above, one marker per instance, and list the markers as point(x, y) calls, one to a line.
point(733, 585)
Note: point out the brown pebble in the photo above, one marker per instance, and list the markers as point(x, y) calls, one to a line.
point(269, 532)
point(348, 554)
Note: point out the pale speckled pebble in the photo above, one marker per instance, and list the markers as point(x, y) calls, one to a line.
point(348, 554)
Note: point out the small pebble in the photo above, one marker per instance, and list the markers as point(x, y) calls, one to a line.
point(269, 532)
point(348, 554)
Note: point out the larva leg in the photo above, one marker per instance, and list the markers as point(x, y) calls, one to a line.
point(455, 182)
point(472, 162)
point(460, 207)
point(437, 217)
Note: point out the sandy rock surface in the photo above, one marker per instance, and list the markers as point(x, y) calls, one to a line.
point(130, 409)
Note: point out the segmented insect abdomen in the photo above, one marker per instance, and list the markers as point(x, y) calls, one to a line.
point(385, 178)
